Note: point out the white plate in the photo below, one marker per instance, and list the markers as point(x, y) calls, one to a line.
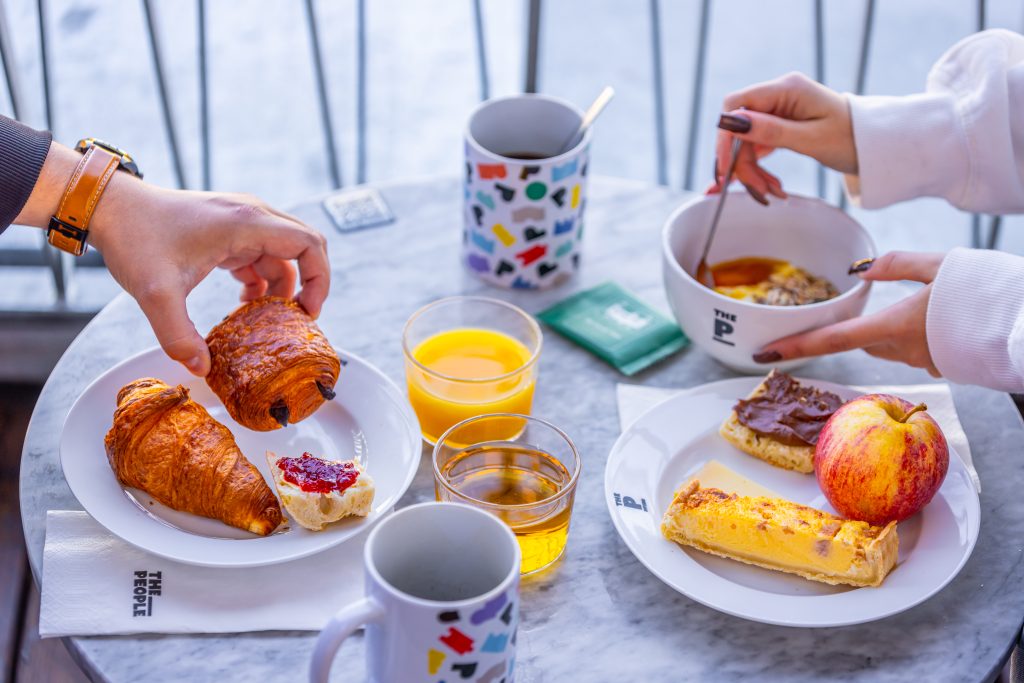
point(369, 419)
point(672, 440)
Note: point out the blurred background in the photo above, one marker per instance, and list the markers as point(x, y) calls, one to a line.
point(291, 99)
point(398, 81)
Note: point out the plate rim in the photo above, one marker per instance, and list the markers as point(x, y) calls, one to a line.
point(617, 447)
point(225, 562)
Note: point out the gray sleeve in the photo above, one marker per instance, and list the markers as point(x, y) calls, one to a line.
point(22, 153)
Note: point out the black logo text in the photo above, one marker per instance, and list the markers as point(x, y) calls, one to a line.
point(145, 585)
point(724, 326)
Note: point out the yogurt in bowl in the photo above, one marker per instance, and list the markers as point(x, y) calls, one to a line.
point(804, 231)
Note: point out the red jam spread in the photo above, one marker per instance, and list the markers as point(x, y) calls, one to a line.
point(313, 475)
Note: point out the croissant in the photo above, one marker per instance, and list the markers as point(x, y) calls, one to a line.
point(271, 364)
point(166, 444)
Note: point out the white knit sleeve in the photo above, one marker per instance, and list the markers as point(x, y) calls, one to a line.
point(975, 322)
point(962, 140)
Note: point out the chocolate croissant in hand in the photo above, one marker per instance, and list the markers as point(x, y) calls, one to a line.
point(270, 364)
point(166, 444)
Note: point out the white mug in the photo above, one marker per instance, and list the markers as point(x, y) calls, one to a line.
point(442, 599)
point(524, 197)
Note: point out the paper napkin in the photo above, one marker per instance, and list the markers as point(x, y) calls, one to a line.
point(96, 584)
point(634, 400)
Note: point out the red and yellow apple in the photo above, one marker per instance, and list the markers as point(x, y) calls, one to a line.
point(880, 458)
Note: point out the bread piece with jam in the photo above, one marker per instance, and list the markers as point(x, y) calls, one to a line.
point(317, 492)
point(780, 422)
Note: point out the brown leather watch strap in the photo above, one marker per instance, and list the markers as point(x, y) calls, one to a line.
point(69, 228)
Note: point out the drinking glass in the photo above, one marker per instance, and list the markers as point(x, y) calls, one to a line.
point(467, 356)
point(528, 480)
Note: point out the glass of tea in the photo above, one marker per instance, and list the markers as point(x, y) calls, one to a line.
point(527, 480)
point(467, 356)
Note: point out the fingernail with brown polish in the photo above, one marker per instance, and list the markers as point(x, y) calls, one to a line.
point(767, 357)
point(758, 197)
point(734, 123)
point(860, 266)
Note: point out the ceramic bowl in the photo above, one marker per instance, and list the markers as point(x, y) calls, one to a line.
point(807, 232)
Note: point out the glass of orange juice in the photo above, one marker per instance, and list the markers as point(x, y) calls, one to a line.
point(467, 356)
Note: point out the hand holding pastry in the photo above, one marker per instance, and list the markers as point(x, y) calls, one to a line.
point(159, 244)
point(897, 333)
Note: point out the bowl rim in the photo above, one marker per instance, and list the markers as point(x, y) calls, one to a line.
point(673, 262)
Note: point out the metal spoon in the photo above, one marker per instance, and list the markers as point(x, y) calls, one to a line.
point(588, 118)
point(704, 275)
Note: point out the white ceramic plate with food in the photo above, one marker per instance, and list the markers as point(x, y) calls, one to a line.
point(669, 443)
point(369, 420)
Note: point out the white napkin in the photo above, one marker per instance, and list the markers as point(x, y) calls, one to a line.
point(96, 584)
point(634, 400)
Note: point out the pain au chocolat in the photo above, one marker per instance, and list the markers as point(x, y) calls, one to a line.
point(778, 534)
point(270, 364)
point(780, 422)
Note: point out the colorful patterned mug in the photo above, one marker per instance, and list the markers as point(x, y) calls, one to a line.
point(442, 599)
point(524, 200)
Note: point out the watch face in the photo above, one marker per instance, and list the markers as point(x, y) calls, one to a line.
point(96, 142)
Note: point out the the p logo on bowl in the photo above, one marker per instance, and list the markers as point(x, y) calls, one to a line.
point(725, 325)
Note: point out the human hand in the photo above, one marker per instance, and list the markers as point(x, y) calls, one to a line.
point(897, 333)
point(159, 244)
point(791, 112)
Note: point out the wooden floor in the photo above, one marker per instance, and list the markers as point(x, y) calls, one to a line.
point(24, 658)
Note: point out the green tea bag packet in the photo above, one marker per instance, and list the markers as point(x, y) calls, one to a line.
point(615, 326)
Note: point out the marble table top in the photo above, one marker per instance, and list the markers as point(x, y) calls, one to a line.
point(598, 615)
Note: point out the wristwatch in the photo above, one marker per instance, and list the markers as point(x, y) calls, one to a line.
point(69, 227)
